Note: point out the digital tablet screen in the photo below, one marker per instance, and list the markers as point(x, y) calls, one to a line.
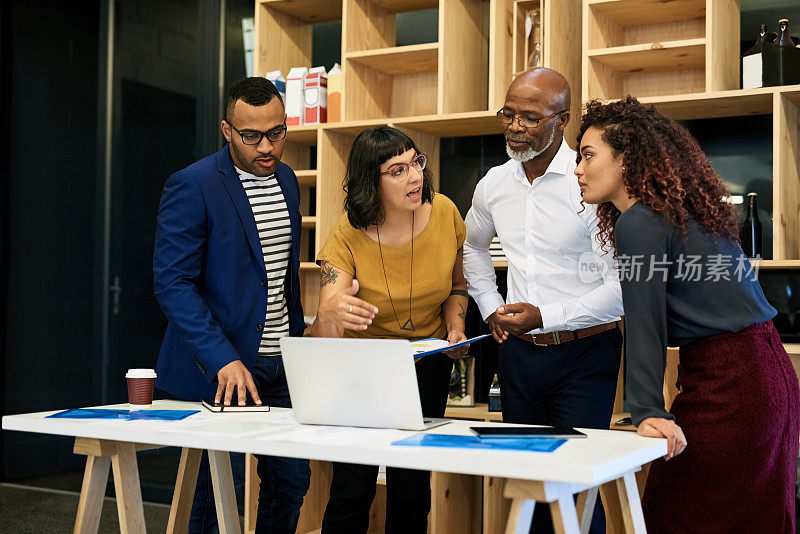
point(495, 432)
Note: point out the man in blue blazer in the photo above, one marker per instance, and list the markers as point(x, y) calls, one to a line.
point(226, 268)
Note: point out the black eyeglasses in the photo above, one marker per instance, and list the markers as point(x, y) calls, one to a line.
point(254, 137)
point(506, 119)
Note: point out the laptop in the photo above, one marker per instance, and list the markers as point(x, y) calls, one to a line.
point(367, 383)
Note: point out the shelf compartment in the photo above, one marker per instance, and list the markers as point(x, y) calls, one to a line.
point(639, 12)
point(413, 59)
point(625, 22)
point(647, 70)
point(308, 266)
point(520, 51)
point(307, 178)
point(372, 24)
point(283, 32)
point(311, 11)
point(305, 134)
point(372, 94)
point(786, 177)
point(653, 57)
point(383, 81)
point(309, 222)
point(653, 48)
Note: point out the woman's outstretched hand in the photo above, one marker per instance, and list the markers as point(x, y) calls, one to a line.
point(346, 311)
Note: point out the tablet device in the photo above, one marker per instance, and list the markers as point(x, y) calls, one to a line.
point(250, 406)
point(517, 432)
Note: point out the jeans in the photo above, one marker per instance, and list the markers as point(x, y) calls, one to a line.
point(284, 481)
point(570, 385)
point(408, 491)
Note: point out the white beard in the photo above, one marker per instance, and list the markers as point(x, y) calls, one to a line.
point(529, 153)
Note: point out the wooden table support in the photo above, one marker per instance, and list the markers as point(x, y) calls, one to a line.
point(121, 457)
point(224, 495)
point(183, 495)
point(569, 518)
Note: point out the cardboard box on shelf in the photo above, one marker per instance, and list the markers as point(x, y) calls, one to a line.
point(316, 96)
point(335, 86)
point(277, 78)
point(295, 96)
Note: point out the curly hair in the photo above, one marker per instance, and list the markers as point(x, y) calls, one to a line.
point(362, 181)
point(663, 166)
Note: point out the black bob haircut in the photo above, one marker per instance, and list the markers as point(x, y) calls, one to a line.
point(255, 91)
point(362, 181)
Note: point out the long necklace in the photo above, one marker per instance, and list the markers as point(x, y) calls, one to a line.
point(409, 324)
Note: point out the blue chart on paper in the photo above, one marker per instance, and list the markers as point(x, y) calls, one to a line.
point(125, 415)
point(473, 442)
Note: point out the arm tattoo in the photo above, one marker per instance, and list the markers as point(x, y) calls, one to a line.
point(460, 292)
point(327, 275)
point(463, 313)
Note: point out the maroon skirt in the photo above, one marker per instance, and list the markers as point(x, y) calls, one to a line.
point(739, 408)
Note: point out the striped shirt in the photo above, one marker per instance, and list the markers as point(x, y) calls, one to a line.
point(275, 233)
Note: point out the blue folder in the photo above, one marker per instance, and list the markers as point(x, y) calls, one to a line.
point(126, 415)
point(473, 442)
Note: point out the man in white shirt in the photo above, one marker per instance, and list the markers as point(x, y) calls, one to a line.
point(560, 346)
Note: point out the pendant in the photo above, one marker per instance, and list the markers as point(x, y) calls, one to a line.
point(408, 325)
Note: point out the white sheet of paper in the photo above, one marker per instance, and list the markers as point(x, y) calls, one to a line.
point(336, 436)
point(235, 426)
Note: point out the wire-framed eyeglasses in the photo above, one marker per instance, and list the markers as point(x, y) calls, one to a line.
point(506, 119)
point(399, 171)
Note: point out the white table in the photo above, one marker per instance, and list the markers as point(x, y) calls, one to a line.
point(555, 478)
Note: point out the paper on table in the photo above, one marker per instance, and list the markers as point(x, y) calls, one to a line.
point(336, 436)
point(235, 427)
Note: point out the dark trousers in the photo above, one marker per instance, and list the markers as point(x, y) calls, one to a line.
point(408, 492)
point(570, 385)
point(284, 481)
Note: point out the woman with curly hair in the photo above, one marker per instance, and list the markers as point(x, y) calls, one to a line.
point(733, 430)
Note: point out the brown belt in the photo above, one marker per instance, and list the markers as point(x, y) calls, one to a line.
point(557, 338)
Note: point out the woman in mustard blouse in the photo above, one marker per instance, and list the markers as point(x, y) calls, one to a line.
point(391, 268)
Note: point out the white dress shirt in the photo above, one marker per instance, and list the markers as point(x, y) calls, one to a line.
point(549, 238)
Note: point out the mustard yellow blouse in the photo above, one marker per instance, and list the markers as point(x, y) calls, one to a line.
point(354, 252)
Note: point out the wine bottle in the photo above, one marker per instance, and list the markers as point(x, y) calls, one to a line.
point(494, 395)
point(751, 228)
point(752, 60)
point(784, 39)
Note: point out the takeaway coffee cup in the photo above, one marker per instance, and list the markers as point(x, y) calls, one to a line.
point(140, 388)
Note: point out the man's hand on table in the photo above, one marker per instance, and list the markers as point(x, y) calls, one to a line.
point(658, 427)
point(235, 376)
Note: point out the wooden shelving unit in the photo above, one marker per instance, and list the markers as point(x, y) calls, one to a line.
point(449, 88)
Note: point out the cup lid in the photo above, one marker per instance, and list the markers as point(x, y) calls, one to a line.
point(140, 373)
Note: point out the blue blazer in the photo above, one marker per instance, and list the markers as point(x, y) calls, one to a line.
point(209, 273)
